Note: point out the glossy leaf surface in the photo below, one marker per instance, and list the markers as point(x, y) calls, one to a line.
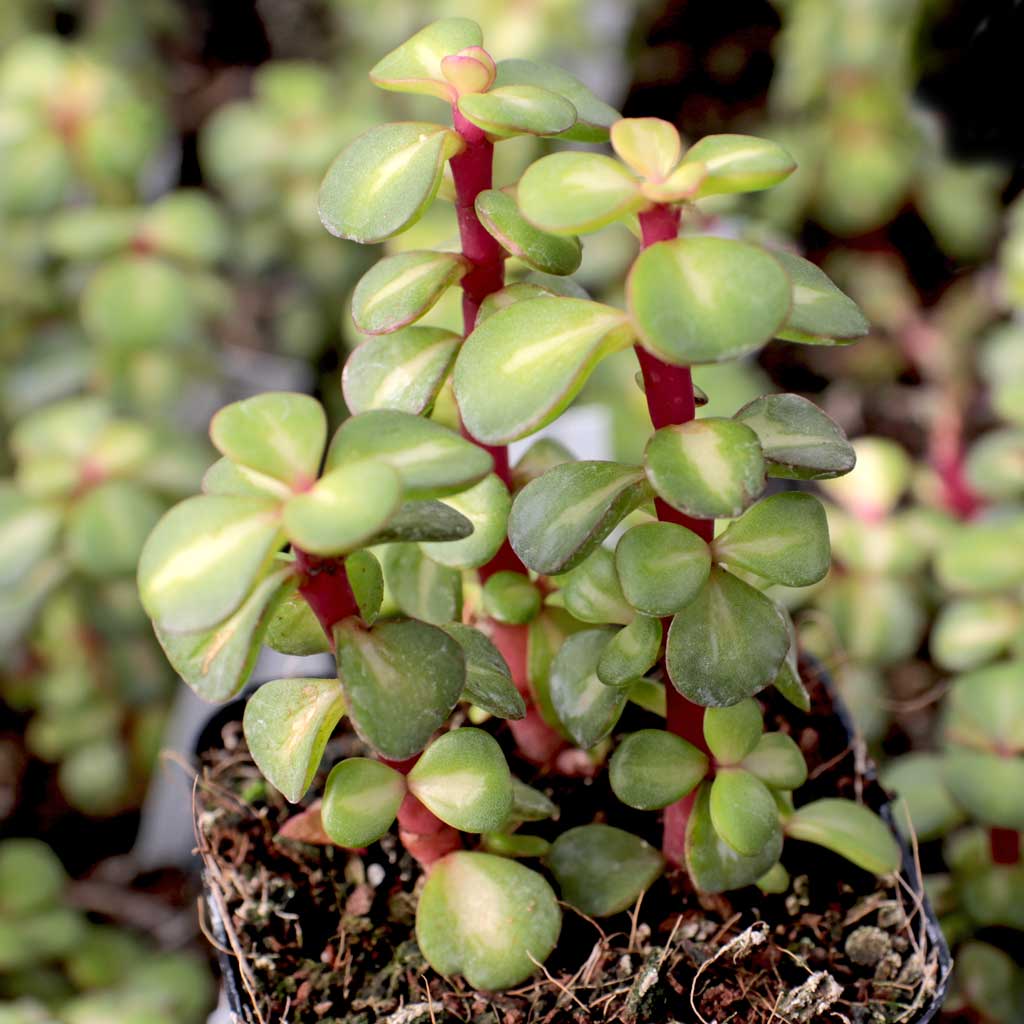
point(361, 799)
point(550, 254)
point(631, 653)
point(409, 665)
point(287, 723)
point(652, 768)
point(488, 678)
point(486, 506)
point(743, 812)
point(703, 299)
point(417, 65)
point(402, 371)
point(463, 778)
point(849, 829)
point(487, 918)
point(509, 110)
point(821, 313)
point(399, 289)
point(661, 567)
point(559, 518)
point(536, 354)
point(586, 707)
point(710, 468)
point(739, 163)
point(727, 644)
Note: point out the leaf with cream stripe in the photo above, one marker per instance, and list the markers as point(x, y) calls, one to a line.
point(463, 778)
point(710, 468)
point(417, 65)
point(739, 163)
point(383, 182)
point(430, 459)
point(203, 557)
point(821, 313)
point(402, 371)
point(535, 355)
point(560, 517)
point(361, 800)
point(798, 439)
point(279, 434)
point(399, 289)
point(704, 299)
point(287, 724)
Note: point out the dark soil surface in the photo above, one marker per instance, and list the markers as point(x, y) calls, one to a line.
point(327, 935)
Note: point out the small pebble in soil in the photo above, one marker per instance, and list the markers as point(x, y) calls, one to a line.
point(867, 945)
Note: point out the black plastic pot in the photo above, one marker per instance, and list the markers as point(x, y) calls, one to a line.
point(241, 1006)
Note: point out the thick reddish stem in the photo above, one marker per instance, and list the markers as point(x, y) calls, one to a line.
point(1004, 846)
point(472, 171)
point(326, 589)
point(670, 400)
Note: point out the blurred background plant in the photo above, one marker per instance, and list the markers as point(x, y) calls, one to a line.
point(162, 255)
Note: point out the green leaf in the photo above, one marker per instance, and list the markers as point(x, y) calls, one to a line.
point(558, 519)
point(403, 371)
point(32, 878)
point(486, 507)
point(783, 538)
point(631, 653)
point(383, 182)
point(217, 662)
point(821, 313)
point(586, 707)
point(519, 291)
point(529, 804)
point(344, 508)
point(408, 665)
point(704, 299)
point(732, 732)
point(361, 800)
point(849, 829)
point(879, 620)
point(487, 918)
point(224, 477)
point(973, 631)
point(470, 70)
point(594, 117)
point(136, 302)
point(536, 354)
point(713, 865)
point(916, 779)
point(661, 567)
point(727, 644)
point(511, 597)
point(987, 784)
point(463, 778)
point(416, 65)
point(602, 870)
point(431, 459)
point(203, 558)
point(653, 768)
point(551, 254)
point(649, 145)
point(399, 289)
point(591, 591)
point(69, 428)
point(983, 557)
point(743, 811)
point(739, 163)
point(279, 434)
point(506, 844)
point(875, 486)
point(421, 588)
point(366, 581)
point(287, 724)
point(985, 709)
point(518, 110)
point(427, 520)
point(571, 193)
point(710, 468)
point(543, 454)
point(995, 464)
point(294, 629)
point(488, 678)
point(108, 526)
point(777, 762)
point(28, 532)
point(798, 440)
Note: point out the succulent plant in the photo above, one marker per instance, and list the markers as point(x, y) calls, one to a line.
point(439, 574)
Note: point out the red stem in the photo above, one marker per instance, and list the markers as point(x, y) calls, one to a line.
point(670, 400)
point(326, 589)
point(1004, 846)
point(472, 171)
